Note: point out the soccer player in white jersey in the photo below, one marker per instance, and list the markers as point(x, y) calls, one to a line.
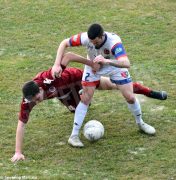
point(105, 49)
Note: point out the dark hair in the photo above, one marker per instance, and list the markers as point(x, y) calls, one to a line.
point(30, 89)
point(95, 30)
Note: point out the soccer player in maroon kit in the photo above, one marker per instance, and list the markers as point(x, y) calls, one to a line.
point(66, 89)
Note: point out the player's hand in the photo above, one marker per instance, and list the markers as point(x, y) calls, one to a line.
point(99, 59)
point(56, 71)
point(96, 67)
point(17, 157)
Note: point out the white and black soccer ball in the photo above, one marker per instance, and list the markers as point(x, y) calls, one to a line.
point(93, 130)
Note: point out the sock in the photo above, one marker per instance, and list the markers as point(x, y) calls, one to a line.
point(140, 89)
point(136, 110)
point(80, 114)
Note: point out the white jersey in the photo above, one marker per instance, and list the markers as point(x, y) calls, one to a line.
point(111, 48)
point(106, 50)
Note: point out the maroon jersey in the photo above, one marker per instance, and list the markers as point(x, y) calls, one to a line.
point(66, 89)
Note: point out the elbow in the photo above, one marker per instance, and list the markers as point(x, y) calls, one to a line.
point(64, 43)
point(124, 61)
point(20, 126)
point(128, 65)
point(67, 57)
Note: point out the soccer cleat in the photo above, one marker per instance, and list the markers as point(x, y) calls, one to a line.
point(75, 141)
point(161, 95)
point(147, 128)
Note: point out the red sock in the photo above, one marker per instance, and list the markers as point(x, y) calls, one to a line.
point(140, 89)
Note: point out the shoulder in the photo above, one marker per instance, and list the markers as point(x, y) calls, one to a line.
point(113, 38)
point(78, 39)
point(42, 76)
point(84, 35)
point(84, 38)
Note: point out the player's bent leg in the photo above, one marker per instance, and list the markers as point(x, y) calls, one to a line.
point(141, 89)
point(134, 107)
point(161, 95)
point(106, 84)
point(80, 113)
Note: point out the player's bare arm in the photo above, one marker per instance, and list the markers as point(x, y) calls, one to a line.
point(56, 69)
point(122, 62)
point(19, 141)
point(72, 57)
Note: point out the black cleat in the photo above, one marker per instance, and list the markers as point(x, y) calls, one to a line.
point(161, 95)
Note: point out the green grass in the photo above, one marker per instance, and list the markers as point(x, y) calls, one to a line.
point(30, 34)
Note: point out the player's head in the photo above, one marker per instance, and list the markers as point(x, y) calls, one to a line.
point(94, 31)
point(95, 34)
point(32, 92)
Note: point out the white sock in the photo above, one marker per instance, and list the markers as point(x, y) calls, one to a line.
point(80, 114)
point(136, 110)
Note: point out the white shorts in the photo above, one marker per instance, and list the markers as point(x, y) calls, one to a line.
point(117, 75)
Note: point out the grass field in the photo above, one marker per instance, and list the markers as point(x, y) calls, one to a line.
point(30, 32)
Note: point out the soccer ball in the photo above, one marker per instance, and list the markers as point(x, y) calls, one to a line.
point(93, 130)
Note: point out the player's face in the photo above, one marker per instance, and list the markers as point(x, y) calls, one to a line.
point(39, 96)
point(97, 41)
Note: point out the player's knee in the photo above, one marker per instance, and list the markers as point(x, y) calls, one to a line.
point(130, 98)
point(85, 99)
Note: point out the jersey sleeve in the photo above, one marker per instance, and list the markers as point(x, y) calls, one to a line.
point(80, 39)
point(117, 47)
point(25, 110)
point(118, 50)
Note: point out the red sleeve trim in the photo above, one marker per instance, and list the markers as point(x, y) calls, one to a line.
point(25, 110)
point(75, 40)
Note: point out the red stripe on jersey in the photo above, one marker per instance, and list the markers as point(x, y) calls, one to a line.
point(94, 83)
point(75, 40)
point(121, 56)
